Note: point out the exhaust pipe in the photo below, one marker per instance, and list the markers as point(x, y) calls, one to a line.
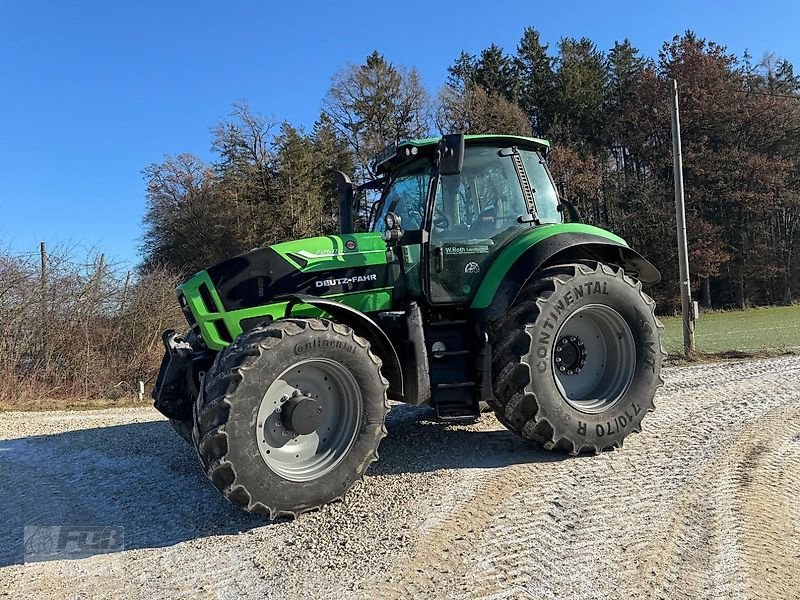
point(345, 189)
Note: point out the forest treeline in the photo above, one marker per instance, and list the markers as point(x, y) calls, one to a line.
point(607, 114)
point(81, 328)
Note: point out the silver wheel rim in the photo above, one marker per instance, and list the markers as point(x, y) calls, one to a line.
point(307, 457)
point(606, 358)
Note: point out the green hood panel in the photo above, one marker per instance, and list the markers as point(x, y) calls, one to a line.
point(334, 251)
point(229, 297)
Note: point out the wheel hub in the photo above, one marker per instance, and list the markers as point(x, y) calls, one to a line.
point(302, 414)
point(308, 419)
point(570, 355)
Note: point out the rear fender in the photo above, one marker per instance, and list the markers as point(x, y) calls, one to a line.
point(561, 248)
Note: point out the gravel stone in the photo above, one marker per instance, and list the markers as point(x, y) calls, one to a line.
point(704, 503)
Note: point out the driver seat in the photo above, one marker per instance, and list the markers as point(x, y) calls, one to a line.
point(484, 225)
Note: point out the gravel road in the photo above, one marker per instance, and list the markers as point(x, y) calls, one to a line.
point(704, 503)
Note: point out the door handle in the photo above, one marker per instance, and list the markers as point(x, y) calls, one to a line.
point(439, 254)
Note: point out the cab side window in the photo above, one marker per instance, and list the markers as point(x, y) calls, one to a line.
point(544, 191)
point(406, 196)
point(483, 201)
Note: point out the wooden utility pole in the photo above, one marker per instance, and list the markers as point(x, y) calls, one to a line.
point(43, 277)
point(680, 218)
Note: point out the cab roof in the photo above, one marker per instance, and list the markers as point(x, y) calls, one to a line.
point(398, 153)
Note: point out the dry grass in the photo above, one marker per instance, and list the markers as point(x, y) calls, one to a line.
point(81, 335)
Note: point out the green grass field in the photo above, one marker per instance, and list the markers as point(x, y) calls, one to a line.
point(774, 328)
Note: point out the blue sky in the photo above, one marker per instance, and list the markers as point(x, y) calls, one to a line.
point(93, 92)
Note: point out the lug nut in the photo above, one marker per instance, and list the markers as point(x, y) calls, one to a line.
point(278, 424)
point(285, 433)
point(562, 369)
point(558, 359)
point(573, 338)
point(284, 398)
point(295, 393)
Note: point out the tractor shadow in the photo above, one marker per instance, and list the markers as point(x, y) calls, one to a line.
point(144, 478)
point(418, 443)
point(140, 476)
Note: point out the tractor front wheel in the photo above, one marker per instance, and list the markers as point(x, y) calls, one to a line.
point(577, 361)
point(290, 416)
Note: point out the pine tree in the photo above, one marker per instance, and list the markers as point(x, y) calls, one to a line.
point(534, 69)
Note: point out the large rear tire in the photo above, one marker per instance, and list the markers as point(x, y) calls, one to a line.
point(290, 416)
point(577, 361)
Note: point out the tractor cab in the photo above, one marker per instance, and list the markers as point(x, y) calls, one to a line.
point(447, 206)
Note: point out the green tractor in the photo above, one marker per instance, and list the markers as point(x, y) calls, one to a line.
point(476, 286)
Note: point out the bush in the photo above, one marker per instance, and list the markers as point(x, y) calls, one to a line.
point(83, 330)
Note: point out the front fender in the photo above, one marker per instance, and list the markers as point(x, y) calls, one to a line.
point(363, 326)
point(547, 245)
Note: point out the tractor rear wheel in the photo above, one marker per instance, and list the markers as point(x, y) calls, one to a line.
point(290, 416)
point(577, 360)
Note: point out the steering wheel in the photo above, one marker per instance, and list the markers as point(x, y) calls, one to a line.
point(415, 218)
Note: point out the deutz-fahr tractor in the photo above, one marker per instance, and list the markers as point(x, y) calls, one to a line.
point(475, 286)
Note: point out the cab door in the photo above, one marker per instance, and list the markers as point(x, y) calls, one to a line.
point(473, 214)
point(406, 196)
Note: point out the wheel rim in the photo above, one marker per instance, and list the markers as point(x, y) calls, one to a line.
point(594, 358)
point(305, 457)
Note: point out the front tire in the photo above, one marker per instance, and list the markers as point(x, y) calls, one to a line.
point(183, 429)
point(291, 415)
point(577, 360)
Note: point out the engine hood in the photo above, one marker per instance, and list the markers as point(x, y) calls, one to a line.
point(320, 266)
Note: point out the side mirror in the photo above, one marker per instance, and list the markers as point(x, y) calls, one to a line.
point(572, 211)
point(451, 154)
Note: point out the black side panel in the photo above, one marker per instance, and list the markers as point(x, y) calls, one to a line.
point(407, 334)
point(366, 328)
point(564, 247)
point(255, 278)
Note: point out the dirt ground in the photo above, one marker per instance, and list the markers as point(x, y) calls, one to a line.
point(704, 503)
